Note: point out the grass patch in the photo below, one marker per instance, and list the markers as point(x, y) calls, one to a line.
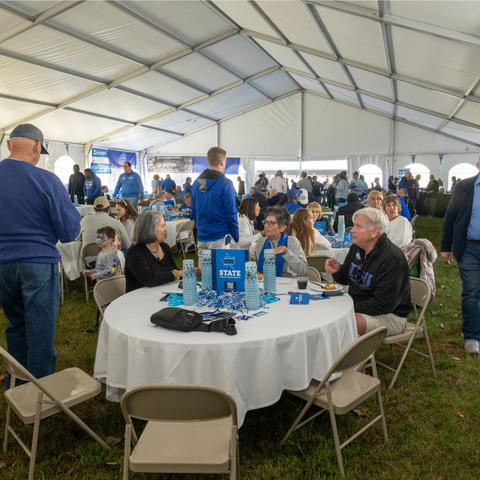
point(429, 439)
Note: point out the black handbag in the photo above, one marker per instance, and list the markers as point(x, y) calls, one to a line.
point(175, 318)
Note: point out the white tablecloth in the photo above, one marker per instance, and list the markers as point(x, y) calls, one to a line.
point(71, 258)
point(85, 210)
point(173, 227)
point(339, 253)
point(282, 350)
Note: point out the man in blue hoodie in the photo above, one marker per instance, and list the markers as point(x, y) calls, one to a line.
point(29, 280)
point(213, 203)
point(131, 185)
point(92, 188)
point(168, 183)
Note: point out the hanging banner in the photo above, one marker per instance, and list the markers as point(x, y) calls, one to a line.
point(169, 164)
point(441, 159)
point(413, 158)
point(201, 163)
point(117, 158)
point(100, 163)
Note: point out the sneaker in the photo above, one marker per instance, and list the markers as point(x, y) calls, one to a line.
point(94, 329)
point(472, 346)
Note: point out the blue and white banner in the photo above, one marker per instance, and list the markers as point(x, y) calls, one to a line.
point(413, 158)
point(201, 163)
point(100, 163)
point(117, 158)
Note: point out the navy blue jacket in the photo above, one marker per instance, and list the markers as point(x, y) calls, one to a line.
point(168, 183)
point(213, 206)
point(457, 218)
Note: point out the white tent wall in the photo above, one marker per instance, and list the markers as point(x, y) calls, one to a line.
point(411, 140)
point(57, 150)
point(272, 130)
point(332, 129)
point(381, 161)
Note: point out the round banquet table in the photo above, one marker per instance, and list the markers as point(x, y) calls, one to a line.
point(281, 350)
point(85, 210)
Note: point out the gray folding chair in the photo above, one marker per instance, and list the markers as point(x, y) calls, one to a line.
point(189, 238)
point(190, 429)
point(108, 290)
point(313, 275)
point(420, 295)
point(340, 396)
point(90, 251)
point(42, 398)
point(318, 262)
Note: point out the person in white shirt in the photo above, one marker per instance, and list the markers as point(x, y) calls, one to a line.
point(302, 228)
point(399, 229)
point(278, 183)
point(248, 211)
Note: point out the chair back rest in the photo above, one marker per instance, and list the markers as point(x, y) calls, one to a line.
point(14, 368)
point(108, 290)
point(187, 227)
point(415, 258)
point(313, 275)
point(420, 292)
point(90, 250)
point(318, 262)
point(175, 402)
point(359, 351)
point(413, 220)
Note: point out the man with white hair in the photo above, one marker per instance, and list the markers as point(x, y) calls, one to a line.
point(376, 273)
point(279, 183)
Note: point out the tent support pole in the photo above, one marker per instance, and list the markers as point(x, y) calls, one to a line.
point(302, 117)
point(392, 148)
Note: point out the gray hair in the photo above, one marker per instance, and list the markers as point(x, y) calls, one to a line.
point(146, 227)
point(273, 191)
point(253, 190)
point(281, 214)
point(376, 218)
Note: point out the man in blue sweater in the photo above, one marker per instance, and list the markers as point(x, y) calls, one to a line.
point(461, 228)
point(92, 186)
point(29, 280)
point(131, 185)
point(213, 203)
point(168, 183)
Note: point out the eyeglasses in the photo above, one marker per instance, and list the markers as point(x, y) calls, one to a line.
point(269, 223)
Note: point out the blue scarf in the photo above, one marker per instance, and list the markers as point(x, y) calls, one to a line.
point(279, 260)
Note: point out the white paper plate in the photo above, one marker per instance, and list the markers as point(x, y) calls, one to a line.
point(328, 293)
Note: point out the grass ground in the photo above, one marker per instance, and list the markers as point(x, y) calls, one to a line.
point(433, 424)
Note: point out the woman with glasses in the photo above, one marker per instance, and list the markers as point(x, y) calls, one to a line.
point(247, 213)
point(309, 238)
point(127, 215)
point(399, 229)
point(290, 260)
point(150, 261)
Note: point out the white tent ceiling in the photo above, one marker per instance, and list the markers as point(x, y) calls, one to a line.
point(308, 79)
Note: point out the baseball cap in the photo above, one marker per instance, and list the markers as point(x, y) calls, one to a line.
point(101, 202)
point(171, 191)
point(355, 173)
point(303, 196)
point(293, 192)
point(28, 130)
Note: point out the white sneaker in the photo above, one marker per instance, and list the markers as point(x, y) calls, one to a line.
point(472, 346)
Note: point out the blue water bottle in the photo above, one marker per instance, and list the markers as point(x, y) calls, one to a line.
point(252, 292)
point(189, 283)
point(75, 201)
point(269, 272)
point(206, 268)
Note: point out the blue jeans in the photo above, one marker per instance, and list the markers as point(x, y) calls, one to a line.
point(30, 294)
point(469, 267)
point(133, 201)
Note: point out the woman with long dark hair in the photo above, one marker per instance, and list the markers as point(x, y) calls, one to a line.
point(247, 213)
point(127, 216)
